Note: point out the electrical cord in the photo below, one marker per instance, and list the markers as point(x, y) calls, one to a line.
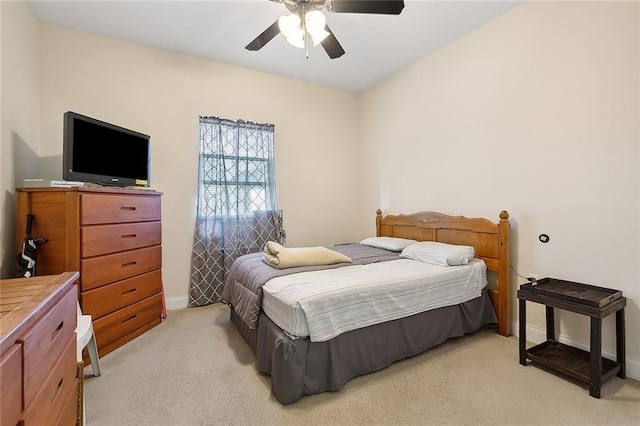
point(527, 279)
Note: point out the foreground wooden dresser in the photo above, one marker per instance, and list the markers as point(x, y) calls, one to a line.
point(38, 350)
point(113, 237)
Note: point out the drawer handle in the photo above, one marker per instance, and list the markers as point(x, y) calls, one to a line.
point(128, 209)
point(128, 236)
point(57, 330)
point(129, 264)
point(131, 318)
point(133, 290)
point(55, 394)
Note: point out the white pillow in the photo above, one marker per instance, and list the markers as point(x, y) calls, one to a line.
point(439, 253)
point(388, 243)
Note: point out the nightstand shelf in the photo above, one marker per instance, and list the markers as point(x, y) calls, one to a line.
point(573, 362)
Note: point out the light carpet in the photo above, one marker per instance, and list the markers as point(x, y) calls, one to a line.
point(195, 369)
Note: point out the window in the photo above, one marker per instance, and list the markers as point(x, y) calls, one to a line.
point(237, 167)
point(237, 211)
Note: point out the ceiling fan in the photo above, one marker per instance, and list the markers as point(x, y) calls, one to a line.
point(307, 21)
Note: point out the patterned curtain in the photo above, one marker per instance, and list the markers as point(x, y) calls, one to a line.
point(237, 212)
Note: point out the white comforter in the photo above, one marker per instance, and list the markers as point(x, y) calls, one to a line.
point(324, 304)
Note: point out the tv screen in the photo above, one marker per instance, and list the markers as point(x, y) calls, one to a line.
point(103, 153)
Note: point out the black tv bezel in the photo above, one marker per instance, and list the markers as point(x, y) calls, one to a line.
point(69, 174)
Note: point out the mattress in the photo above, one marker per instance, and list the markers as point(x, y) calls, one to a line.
point(323, 304)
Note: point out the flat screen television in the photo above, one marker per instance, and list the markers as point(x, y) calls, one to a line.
point(103, 153)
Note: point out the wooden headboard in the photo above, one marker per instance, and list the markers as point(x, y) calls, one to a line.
point(490, 240)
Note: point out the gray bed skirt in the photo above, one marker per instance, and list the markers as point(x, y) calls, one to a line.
point(299, 367)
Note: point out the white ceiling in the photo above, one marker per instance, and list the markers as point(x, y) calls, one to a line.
point(376, 45)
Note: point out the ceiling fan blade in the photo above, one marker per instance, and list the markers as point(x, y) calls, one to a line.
point(386, 7)
point(331, 45)
point(264, 38)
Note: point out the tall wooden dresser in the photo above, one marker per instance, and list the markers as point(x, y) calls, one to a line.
point(38, 350)
point(113, 236)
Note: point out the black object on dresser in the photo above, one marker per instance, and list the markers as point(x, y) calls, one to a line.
point(596, 302)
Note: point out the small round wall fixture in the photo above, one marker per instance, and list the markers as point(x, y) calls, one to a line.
point(544, 238)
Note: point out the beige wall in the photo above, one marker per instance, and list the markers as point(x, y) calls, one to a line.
point(162, 94)
point(19, 116)
point(536, 113)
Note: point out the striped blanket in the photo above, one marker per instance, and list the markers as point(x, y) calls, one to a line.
point(324, 304)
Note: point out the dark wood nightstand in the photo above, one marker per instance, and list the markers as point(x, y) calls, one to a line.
point(595, 302)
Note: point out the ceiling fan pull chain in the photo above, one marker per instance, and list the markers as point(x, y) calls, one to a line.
point(304, 31)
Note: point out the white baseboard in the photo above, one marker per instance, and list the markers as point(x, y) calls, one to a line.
point(536, 336)
point(174, 303)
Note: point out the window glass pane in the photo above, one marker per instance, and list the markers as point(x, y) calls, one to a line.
point(236, 167)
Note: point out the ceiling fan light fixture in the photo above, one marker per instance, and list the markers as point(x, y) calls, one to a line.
point(296, 41)
point(290, 28)
point(315, 23)
point(319, 36)
point(307, 22)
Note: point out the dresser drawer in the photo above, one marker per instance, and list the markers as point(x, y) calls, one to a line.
point(102, 270)
point(105, 239)
point(124, 321)
point(110, 208)
point(46, 340)
point(111, 297)
point(11, 385)
point(55, 390)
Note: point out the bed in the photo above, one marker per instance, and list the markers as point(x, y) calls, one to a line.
point(301, 363)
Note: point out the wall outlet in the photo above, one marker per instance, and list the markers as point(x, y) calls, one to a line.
point(532, 277)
